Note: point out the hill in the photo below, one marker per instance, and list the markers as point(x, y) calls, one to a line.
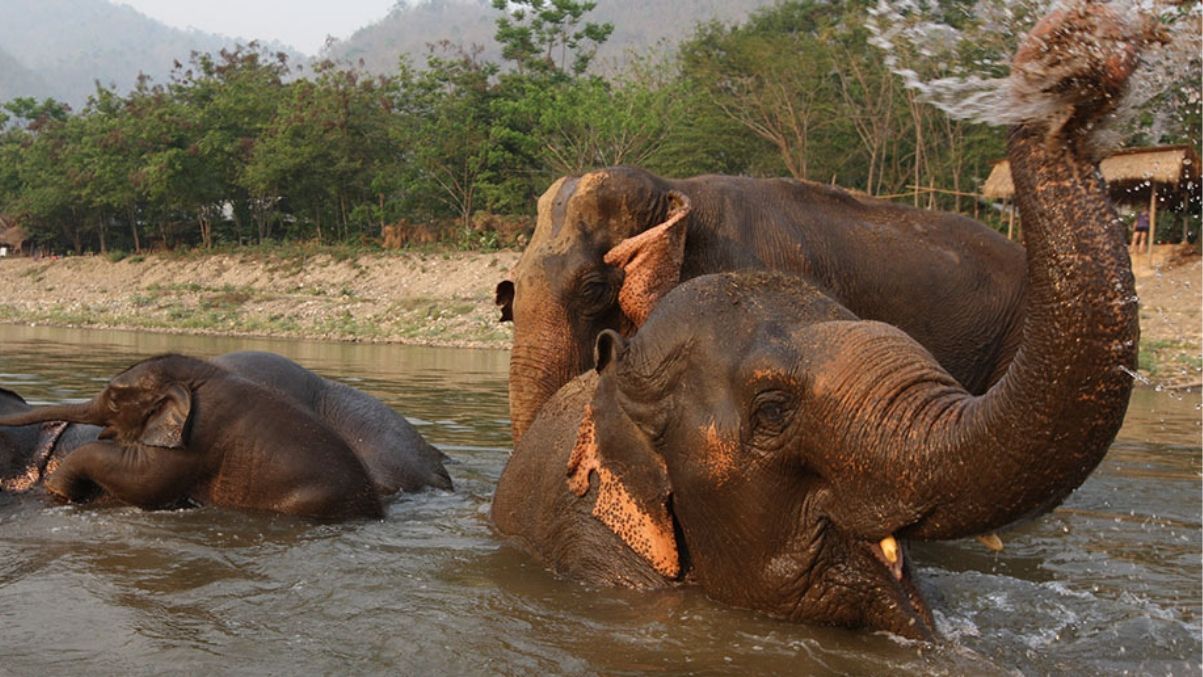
point(61, 48)
point(638, 25)
point(20, 81)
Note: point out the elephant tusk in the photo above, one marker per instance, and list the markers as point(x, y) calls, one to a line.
point(992, 542)
point(889, 549)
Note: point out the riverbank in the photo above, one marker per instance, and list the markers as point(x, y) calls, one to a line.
point(422, 298)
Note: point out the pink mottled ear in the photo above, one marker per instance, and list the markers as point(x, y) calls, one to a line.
point(651, 262)
point(632, 496)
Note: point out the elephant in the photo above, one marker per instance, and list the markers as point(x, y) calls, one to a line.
point(178, 429)
point(395, 454)
point(759, 439)
point(594, 263)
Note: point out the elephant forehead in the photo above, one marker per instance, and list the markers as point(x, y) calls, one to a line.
point(550, 217)
point(572, 201)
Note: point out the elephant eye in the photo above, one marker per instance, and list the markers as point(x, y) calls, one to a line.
point(771, 412)
point(596, 291)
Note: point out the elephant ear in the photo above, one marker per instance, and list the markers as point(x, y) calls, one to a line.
point(5, 392)
point(165, 426)
point(505, 300)
point(651, 262)
point(633, 489)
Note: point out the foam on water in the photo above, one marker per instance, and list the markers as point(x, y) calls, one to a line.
point(927, 53)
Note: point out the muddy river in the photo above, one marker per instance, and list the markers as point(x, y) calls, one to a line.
point(1109, 582)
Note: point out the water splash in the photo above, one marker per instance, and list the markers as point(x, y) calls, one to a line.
point(961, 62)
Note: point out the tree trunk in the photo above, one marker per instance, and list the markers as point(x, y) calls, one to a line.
point(133, 227)
point(102, 230)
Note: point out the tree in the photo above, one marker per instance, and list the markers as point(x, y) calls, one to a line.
point(447, 117)
point(226, 101)
point(540, 36)
point(591, 122)
point(771, 76)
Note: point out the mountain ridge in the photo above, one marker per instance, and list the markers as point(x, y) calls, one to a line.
point(639, 25)
point(70, 45)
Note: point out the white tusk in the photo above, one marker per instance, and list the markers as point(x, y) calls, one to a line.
point(992, 542)
point(889, 548)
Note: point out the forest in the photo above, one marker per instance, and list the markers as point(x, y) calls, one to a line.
point(243, 147)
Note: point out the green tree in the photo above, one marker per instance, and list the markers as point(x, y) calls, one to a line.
point(542, 36)
point(226, 101)
point(447, 121)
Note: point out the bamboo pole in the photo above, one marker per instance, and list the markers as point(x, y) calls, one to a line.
point(1152, 218)
point(1010, 220)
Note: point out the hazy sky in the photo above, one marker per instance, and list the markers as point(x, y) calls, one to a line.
point(303, 24)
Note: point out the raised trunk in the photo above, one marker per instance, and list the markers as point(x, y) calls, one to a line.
point(72, 413)
point(1025, 445)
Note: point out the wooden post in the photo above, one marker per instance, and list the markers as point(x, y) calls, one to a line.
point(1152, 218)
point(1010, 220)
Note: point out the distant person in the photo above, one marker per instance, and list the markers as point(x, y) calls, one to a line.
point(1140, 234)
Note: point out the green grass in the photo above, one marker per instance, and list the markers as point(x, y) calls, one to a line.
point(1164, 357)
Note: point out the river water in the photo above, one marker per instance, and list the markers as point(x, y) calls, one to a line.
point(1109, 582)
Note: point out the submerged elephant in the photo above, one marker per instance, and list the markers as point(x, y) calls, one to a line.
point(596, 262)
point(29, 453)
point(282, 439)
point(760, 440)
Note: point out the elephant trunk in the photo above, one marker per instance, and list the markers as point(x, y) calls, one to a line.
point(943, 464)
point(535, 376)
point(72, 413)
point(1048, 423)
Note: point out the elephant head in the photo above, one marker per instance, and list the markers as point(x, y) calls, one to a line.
point(146, 404)
point(606, 246)
point(758, 438)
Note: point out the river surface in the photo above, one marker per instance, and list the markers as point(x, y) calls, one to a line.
point(1108, 583)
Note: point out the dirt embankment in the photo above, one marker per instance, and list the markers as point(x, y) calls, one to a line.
point(423, 298)
point(441, 299)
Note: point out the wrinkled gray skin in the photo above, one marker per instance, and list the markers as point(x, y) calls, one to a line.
point(954, 285)
point(397, 457)
point(760, 440)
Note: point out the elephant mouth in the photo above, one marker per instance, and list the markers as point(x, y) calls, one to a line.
point(904, 612)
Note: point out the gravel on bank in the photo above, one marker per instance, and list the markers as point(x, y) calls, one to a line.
point(440, 299)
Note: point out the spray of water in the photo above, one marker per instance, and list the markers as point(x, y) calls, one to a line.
point(960, 63)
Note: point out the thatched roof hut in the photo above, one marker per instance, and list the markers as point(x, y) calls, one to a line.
point(1131, 174)
point(11, 234)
